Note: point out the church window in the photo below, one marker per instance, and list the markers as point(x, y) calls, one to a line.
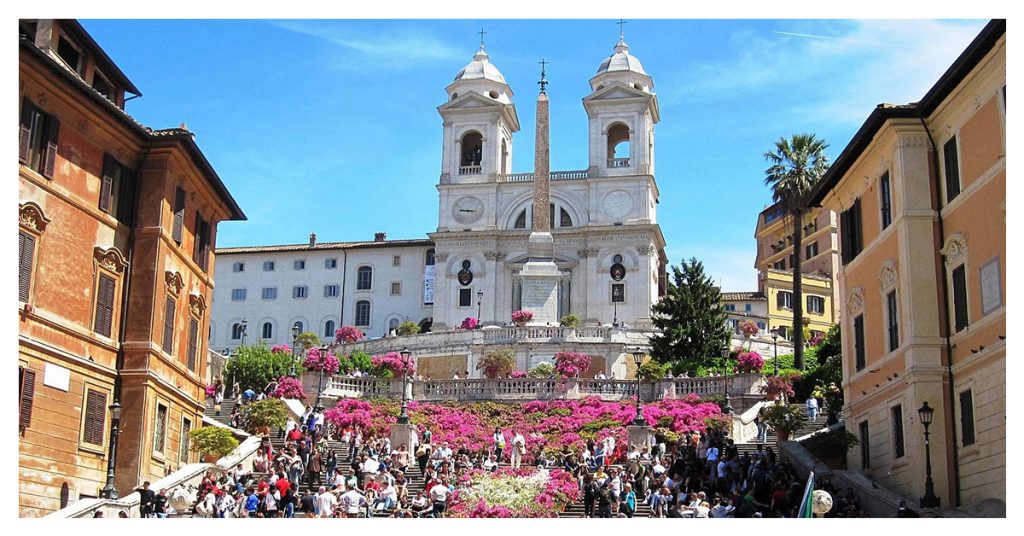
point(564, 219)
point(618, 146)
point(472, 153)
point(520, 220)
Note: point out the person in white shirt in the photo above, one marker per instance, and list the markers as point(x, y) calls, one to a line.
point(339, 479)
point(421, 505)
point(352, 501)
point(226, 505)
point(490, 464)
point(518, 449)
point(722, 508)
point(439, 497)
point(207, 507)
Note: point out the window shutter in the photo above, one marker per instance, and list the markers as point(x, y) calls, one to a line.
point(107, 184)
point(844, 232)
point(779, 301)
point(205, 250)
point(168, 342)
point(50, 158)
point(967, 418)
point(95, 410)
point(26, 250)
point(26, 131)
point(193, 337)
point(104, 305)
point(959, 298)
point(195, 237)
point(858, 229)
point(952, 169)
point(179, 214)
point(28, 392)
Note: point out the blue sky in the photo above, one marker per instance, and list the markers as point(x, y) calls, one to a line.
point(331, 126)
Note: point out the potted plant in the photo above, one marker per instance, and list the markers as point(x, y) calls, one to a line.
point(469, 323)
point(779, 387)
point(212, 442)
point(749, 362)
point(521, 317)
point(831, 447)
point(497, 364)
point(348, 334)
point(408, 328)
point(263, 415)
point(784, 420)
point(542, 370)
point(653, 371)
point(570, 321)
point(571, 364)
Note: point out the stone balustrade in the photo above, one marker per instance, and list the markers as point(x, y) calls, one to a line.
point(539, 388)
point(577, 174)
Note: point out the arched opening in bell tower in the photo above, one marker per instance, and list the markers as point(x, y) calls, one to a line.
point(472, 153)
point(618, 146)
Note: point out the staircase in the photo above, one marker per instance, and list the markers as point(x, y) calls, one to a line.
point(771, 440)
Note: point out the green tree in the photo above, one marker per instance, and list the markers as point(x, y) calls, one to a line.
point(256, 366)
point(691, 320)
point(796, 165)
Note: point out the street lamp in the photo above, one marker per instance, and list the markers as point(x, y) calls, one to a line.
point(638, 357)
point(929, 500)
point(320, 377)
point(775, 343)
point(728, 404)
point(295, 340)
point(403, 417)
point(245, 324)
point(479, 301)
point(109, 491)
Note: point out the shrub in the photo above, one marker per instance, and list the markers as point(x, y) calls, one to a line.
point(777, 387)
point(518, 374)
point(469, 323)
point(571, 364)
point(288, 387)
point(497, 363)
point(317, 360)
point(256, 366)
point(542, 370)
point(212, 440)
point(348, 334)
point(784, 418)
point(749, 362)
point(408, 328)
point(652, 371)
point(570, 321)
point(264, 414)
point(830, 444)
point(522, 316)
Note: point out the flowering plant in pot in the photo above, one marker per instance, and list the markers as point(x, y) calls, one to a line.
point(281, 349)
point(521, 317)
point(749, 329)
point(571, 364)
point(784, 419)
point(391, 364)
point(317, 360)
point(779, 387)
point(469, 323)
point(497, 363)
point(570, 321)
point(749, 362)
point(517, 374)
point(288, 387)
point(211, 390)
point(348, 334)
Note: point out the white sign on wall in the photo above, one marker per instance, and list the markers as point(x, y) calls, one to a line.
point(991, 291)
point(428, 285)
point(56, 377)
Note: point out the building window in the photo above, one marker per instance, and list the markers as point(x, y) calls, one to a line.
point(520, 222)
point(26, 256)
point(268, 266)
point(784, 299)
point(201, 246)
point(428, 257)
point(816, 305)
point(331, 264)
point(117, 189)
point(851, 229)
point(238, 267)
point(966, 418)
point(26, 397)
point(780, 265)
point(396, 260)
point(991, 287)
point(783, 332)
point(893, 321)
point(396, 288)
point(747, 307)
point(299, 325)
point(393, 325)
point(332, 291)
point(94, 417)
point(104, 317)
point(168, 341)
point(897, 432)
point(238, 294)
point(193, 343)
point(299, 291)
point(364, 278)
point(236, 331)
point(70, 54)
point(730, 307)
point(761, 326)
point(951, 168)
point(329, 329)
point(268, 330)
point(362, 313)
point(299, 264)
point(38, 143)
point(960, 298)
point(465, 297)
point(865, 451)
point(812, 250)
point(186, 427)
point(160, 428)
point(269, 293)
point(858, 341)
point(179, 214)
point(885, 191)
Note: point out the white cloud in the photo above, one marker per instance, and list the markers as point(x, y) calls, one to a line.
point(395, 49)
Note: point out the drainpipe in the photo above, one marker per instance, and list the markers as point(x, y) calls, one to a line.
point(344, 273)
point(945, 306)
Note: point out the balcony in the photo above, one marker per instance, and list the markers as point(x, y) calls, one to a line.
point(578, 174)
point(469, 170)
point(618, 162)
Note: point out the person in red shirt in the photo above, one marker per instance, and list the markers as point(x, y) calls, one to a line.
point(262, 488)
point(282, 485)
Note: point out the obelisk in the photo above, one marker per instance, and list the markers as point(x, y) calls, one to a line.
point(540, 274)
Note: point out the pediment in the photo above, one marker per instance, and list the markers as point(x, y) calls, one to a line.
point(471, 100)
point(617, 90)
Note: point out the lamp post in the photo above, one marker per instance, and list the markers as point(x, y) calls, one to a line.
point(728, 404)
point(638, 357)
point(403, 417)
point(775, 343)
point(479, 302)
point(929, 500)
point(320, 376)
point(109, 491)
point(245, 324)
point(295, 339)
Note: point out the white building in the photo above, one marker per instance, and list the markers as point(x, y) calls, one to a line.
point(373, 285)
point(603, 223)
point(743, 307)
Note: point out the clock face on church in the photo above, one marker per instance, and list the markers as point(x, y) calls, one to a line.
point(617, 204)
point(467, 209)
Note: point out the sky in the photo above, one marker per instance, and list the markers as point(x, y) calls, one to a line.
point(331, 125)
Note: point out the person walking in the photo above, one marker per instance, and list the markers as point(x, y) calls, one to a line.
point(812, 409)
point(499, 444)
point(762, 426)
point(628, 500)
point(518, 449)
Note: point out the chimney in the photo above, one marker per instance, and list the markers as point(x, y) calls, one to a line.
point(312, 239)
point(380, 237)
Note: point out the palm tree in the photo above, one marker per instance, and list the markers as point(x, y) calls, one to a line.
point(796, 166)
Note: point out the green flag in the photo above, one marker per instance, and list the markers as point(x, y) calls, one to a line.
point(805, 504)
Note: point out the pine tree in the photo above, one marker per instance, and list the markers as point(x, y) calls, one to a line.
point(691, 320)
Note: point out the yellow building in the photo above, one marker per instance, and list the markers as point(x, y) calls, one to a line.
point(819, 261)
point(777, 286)
point(921, 189)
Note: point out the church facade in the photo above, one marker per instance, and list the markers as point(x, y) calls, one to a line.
point(608, 247)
